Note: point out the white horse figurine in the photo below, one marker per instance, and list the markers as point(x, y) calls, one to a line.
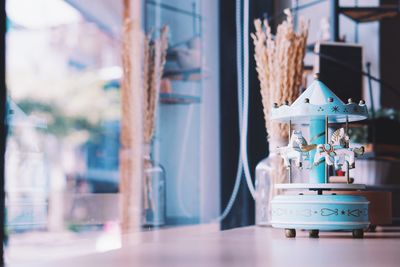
point(325, 151)
point(296, 150)
point(337, 151)
point(340, 141)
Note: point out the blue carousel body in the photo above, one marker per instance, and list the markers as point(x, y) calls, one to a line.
point(318, 107)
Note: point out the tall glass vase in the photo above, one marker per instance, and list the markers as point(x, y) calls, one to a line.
point(268, 171)
point(154, 191)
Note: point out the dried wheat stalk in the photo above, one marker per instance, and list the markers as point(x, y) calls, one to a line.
point(154, 57)
point(279, 64)
point(155, 53)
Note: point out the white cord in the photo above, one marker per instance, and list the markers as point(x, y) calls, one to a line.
point(243, 140)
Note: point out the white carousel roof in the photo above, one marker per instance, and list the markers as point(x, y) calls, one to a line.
point(317, 102)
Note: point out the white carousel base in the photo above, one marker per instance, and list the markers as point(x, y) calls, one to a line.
point(324, 186)
point(320, 212)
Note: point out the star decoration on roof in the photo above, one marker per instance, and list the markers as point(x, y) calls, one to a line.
point(335, 109)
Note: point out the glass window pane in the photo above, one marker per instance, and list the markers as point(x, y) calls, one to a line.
point(64, 158)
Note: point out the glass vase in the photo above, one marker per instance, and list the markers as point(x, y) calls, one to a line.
point(266, 172)
point(154, 192)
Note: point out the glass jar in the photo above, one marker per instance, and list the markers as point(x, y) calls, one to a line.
point(269, 171)
point(263, 186)
point(154, 192)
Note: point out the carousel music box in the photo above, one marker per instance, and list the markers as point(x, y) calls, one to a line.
point(326, 156)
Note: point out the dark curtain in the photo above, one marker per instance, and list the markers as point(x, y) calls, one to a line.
point(242, 213)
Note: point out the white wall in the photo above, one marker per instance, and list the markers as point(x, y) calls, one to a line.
point(187, 138)
point(209, 115)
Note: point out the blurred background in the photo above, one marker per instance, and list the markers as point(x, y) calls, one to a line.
point(63, 75)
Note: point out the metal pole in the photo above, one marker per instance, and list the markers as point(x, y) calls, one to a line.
point(347, 129)
point(371, 97)
point(290, 162)
point(347, 146)
point(370, 90)
point(356, 27)
point(335, 20)
point(194, 18)
point(296, 15)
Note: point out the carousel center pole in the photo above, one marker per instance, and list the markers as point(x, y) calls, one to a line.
point(317, 137)
point(326, 142)
point(290, 165)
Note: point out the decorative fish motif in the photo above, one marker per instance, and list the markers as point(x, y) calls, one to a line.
point(355, 213)
point(329, 212)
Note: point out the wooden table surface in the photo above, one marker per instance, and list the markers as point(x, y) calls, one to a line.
point(248, 246)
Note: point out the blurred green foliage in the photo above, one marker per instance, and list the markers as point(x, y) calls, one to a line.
point(58, 123)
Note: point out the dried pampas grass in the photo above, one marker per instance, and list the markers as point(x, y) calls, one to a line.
point(279, 64)
point(154, 58)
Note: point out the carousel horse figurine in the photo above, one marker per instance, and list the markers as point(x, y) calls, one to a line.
point(325, 151)
point(340, 140)
point(340, 160)
point(296, 150)
point(337, 152)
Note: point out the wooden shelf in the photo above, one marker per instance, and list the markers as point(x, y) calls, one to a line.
point(178, 99)
point(184, 74)
point(369, 14)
